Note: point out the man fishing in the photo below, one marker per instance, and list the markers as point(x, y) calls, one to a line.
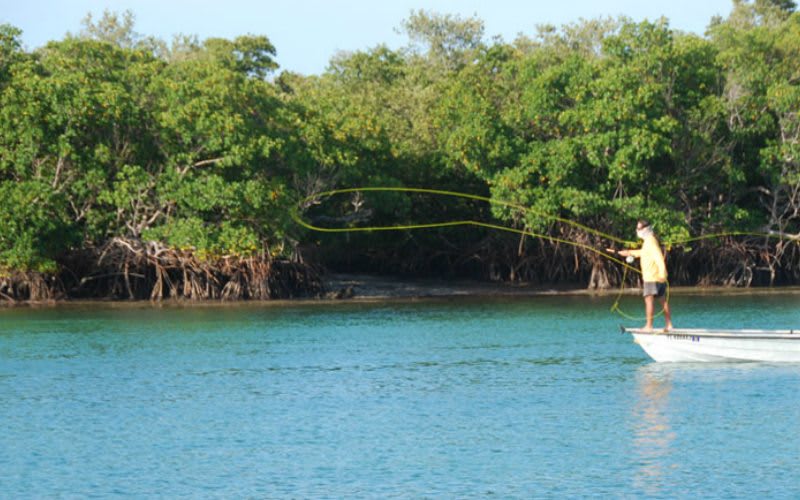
point(654, 273)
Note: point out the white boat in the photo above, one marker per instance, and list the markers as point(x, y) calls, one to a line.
point(699, 345)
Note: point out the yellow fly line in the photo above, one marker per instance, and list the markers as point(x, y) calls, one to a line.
point(468, 222)
point(454, 194)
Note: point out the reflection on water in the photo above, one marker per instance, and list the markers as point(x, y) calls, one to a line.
point(652, 434)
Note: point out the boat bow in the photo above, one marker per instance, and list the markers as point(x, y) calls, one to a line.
point(718, 345)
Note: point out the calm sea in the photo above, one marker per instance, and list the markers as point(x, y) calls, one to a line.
point(535, 397)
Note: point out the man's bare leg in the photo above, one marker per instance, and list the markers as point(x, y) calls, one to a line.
point(667, 315)
point(648, 311)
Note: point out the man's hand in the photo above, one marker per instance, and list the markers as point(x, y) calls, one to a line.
point(623, 253)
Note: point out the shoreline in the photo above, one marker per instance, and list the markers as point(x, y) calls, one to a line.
point(365, 288)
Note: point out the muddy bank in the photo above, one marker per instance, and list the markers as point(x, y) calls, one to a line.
point(338, 288)
point(376, 287)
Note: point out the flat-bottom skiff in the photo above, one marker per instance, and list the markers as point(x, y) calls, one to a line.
point(699, 345)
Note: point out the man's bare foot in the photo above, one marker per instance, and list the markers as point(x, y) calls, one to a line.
point(668, 328)
point(646, 328)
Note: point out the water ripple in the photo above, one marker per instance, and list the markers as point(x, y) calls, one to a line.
point(520, 399)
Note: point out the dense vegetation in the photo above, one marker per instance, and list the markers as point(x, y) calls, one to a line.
point(133, 168)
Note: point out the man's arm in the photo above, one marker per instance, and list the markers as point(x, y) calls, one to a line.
point(626, 253)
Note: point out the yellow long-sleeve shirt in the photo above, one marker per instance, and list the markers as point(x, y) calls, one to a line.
point(652, 260)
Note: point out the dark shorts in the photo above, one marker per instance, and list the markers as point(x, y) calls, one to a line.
point(654, 288)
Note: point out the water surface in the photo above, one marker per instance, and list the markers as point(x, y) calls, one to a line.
point(464, 398)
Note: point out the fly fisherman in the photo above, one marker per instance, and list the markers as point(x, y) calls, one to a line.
point(654, 273)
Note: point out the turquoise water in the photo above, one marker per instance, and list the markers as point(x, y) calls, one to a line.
point(469, 398)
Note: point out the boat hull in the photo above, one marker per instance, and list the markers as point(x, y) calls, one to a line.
point(696, 345)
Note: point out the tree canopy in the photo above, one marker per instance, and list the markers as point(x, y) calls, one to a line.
point(203, 149)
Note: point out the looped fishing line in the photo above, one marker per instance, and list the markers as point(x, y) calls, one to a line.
point(468, 222)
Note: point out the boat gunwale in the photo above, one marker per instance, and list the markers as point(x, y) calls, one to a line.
point(720, 333)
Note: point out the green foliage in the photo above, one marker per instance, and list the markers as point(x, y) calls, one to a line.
point(249, 55)
point(447, 40)
point(470, 116)
point(10, 51)
point(760, 49)
point(112, 28)
point(205, 239)
point(199, 146)
point(121, 143)
point(34, 231)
